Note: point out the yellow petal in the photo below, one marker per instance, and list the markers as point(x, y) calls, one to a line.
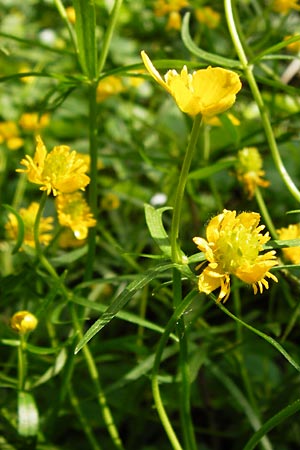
point(153, 72)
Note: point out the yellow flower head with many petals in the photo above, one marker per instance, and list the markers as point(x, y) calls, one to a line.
point(232, 247)
point(59, 171)
point(28, 216)
point(291, 232)
point(74, 212)
point(249, 170)
point(208, 91)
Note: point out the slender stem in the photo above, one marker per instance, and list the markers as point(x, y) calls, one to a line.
point(248, 71)
point(22, 363)
point(92, 368)
point(108, 34)
point(93, 186)
point(265, 213)
point(155, 382)
point(63, 14)
point(84, 422)
point(176, 254)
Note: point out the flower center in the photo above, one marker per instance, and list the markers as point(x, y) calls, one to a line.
point(236, 247)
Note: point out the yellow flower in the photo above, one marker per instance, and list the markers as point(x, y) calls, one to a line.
point(208, 91)
point(110, 202)
point(174, 21)
point(74, 212)
point(207, 16)
point(23, 322)
point(68, 240)
point(71, 15)
point(284, 6)
point(291, 232)
point(9, 134)
point(164, 7)
point(249, 170)
point(109, 86)
point(294, 47)
point(59, 171)
point(28, 216)
point(33, 121)
point(232, 248)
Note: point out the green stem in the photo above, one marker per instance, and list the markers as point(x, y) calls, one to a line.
point(176, 253)
point(108, 34)
point(92, 368)
point(155, 381)
point(22, 363)
point(248, 71)
point(93, 186)
point(265, 213)
point(61, 9)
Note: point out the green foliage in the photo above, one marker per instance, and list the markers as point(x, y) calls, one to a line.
point(128, 354)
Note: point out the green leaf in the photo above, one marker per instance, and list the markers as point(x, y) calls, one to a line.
point(206, 172)
point(69, 257)
point(120, 301)
point(123, 315)
point(277, 243)
point(21, 228)
point(156, 228)
point(28, 417)
point(85, 27)
point(284, 414)
point(202, 54)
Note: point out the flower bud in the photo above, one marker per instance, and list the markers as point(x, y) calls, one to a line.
point(23, 322)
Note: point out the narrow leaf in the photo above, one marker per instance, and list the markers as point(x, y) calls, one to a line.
point(156, 228)
point(202, 54)
point(85, 27)
point(28, 417)
point(119, 302)
point(205, 172)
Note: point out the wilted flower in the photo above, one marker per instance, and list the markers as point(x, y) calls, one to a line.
point(284, 6)
point(9, 133)
point(59, 171)
point(109, 86)
point(207, 16)
point(33, 121)
point(249, 170)
point(74, 212)
point(291, 232)
point(232, 248)
point(23, 322)
point(208, 91)
point(28, 216)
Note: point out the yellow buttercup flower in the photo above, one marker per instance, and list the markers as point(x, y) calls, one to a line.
point(23, 322)
point(249, 170)
point(33, 121)
point(284, 6)
point(232, 247)
point(68, 240)
point(207, 16)
point(291, 232)
point(208, 91)
point(74, 212)
point(28, 216)
point(171, 8)
point(9, 133)
point(109, 86)
point(59, 171)
point(71, 15)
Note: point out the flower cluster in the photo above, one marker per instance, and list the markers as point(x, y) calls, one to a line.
point(61, 171)
point(232, 247)
point(208, 91)
point(170, 8)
